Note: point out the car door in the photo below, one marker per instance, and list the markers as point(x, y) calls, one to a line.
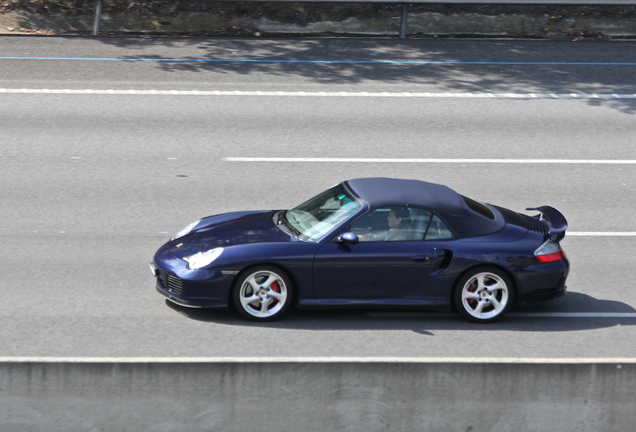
point(387, 263)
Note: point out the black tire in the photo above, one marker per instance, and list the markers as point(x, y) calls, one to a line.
point(484, 294)
point(270, 290)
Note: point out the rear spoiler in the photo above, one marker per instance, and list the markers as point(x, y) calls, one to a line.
point(555, 220)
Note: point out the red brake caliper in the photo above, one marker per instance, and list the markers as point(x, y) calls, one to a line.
point(471, 288)
point(275, 287)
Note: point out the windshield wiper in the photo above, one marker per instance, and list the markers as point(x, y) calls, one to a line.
point(287, 223)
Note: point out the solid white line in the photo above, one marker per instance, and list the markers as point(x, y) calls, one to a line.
point(441, 161)
point(318, 94)
point(433, 360)
point(600, 234)
point(573, 314)
point(512, 314)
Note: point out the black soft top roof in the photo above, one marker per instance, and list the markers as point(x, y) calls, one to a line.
point(442, 200)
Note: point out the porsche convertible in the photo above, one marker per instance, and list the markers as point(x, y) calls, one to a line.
point(369, 242)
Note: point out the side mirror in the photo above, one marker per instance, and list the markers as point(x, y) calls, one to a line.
point(349, 238)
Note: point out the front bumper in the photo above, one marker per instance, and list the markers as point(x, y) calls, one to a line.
point(190, 288)
point(201, 303)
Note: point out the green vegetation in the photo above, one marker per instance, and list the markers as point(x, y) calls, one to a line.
point(303, 13)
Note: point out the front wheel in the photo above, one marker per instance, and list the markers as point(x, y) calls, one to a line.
point(484, 294)
point(263, 293)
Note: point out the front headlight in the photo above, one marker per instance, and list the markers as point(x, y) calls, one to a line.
point(202, 259)
point(186, 230)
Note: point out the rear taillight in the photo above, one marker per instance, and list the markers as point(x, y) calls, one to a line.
point(549, 252)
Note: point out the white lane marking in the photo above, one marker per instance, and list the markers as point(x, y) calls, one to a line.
point(516, 360)
point(441, 161)
point(319, 94)
point(511, 314)
point(600, 234)
point(463, 161)
point(574, 314)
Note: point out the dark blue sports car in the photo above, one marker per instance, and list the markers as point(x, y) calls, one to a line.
point(371, 242)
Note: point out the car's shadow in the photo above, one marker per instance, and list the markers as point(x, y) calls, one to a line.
point(549, 317)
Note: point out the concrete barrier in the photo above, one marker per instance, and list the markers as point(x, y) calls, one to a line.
point(309, 394)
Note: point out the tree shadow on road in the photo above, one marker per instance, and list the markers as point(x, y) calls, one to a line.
point(463, 65)
point(519, 319)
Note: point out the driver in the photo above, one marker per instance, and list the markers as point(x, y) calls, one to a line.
point(399, 221)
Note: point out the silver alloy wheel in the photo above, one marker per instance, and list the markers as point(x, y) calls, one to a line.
point(485, 296)
point(263, 294)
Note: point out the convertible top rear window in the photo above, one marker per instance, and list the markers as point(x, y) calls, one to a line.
point(478, 207)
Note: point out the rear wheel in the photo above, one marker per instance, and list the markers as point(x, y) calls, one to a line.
point(484, 294)
point(262, 293)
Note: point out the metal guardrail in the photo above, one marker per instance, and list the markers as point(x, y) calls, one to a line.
point(403, 20)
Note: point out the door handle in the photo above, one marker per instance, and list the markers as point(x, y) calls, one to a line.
point(421, 258)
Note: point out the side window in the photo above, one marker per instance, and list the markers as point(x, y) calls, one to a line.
point(392, 224)
point(438, 231)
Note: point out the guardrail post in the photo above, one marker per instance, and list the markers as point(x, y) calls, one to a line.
point(405, 10)
point(98, 17)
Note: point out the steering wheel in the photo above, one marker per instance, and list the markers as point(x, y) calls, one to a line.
point(304, 219)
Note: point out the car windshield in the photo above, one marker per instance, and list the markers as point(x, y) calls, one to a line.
point(316, 218)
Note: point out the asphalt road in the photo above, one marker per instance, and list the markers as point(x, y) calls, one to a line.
point(93, 184)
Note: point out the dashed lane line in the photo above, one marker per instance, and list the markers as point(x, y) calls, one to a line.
point(463, 161)
point(432, 161)
point(429, 95)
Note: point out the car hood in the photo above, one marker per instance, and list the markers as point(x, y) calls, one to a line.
point(230, 229)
